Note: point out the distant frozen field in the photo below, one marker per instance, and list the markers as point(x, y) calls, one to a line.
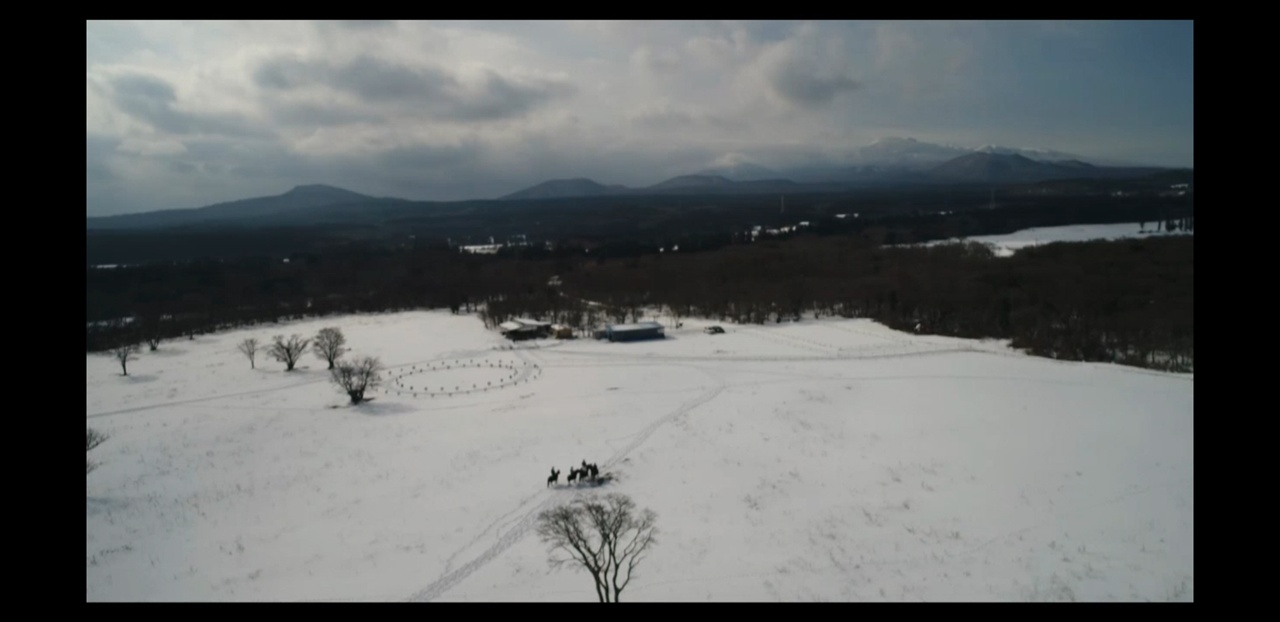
point(822, 460)
point(1006, 244)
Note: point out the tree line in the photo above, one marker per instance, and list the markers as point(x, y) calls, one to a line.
point(1127, 301)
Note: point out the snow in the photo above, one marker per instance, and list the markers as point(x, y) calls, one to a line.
point(639, 326)
point(825, 459)
point(1007, 244)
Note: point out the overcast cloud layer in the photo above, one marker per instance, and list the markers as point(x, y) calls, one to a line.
point(185, 114)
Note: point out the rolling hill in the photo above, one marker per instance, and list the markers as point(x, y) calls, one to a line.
point(565, 188)
point(305, 198)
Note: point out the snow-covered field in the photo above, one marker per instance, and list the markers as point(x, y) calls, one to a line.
point(1007, 244)
point(822, 460)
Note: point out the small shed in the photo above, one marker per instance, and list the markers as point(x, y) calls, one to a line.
point(521, 328)
point(634, 332)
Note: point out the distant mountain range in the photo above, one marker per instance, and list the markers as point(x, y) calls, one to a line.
point(895, 151)
point(909, 166)
point(894, 161)
point(998, 168)
point(684, 184)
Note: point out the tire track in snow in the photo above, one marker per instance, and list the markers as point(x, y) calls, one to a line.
point(782, 359)
point(528, 521)
point(643, 435)
point(891, 335)
point(496, 522)
point(784, 340)
point(505, 541)
point(210, 398)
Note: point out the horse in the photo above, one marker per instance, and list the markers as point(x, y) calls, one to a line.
point(554, 478)
point(573, 474)
point(588, 470)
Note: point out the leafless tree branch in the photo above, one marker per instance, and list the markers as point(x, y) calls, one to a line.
point(124, 354)
point(94, 438)
point(590, 530)
point(250, 349)
point(288, 352)
point(356, 377)
point(328, 344)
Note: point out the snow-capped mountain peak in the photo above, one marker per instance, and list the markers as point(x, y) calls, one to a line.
point(896, 150)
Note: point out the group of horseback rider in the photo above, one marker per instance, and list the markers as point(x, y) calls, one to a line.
point(588, 471)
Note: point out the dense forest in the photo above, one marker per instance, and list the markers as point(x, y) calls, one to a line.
point(1128, 301)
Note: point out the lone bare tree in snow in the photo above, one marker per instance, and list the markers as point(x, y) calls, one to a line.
point(288, 352)
point(328, 344)
point(125, 353)
point(250, 349)
point(356, 377)
point(606, 536)
point(148, 327)
point(95, 438)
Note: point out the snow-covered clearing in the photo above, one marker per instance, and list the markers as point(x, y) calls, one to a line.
point(822, 460)
point(1007, 244)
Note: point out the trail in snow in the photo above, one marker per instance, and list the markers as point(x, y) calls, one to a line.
point(206, 399)
point(861, 354)
point(523, 526)
point(528, 520)
point(929, 350)
point(643, 435)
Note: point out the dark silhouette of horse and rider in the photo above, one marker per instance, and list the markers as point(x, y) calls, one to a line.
point(588, 472)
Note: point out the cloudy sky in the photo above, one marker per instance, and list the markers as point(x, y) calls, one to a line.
point(185, 114)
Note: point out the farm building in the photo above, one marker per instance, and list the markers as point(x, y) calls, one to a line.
point(633, 332)
point(521, 328)
point(560, 331)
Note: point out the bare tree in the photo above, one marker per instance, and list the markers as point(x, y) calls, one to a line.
point(328, 344)
point(125, 353)
point(356, 377)
point(288, 352)
point(148, 327)
point(677, 311)
point(95, 438)
point(590, 318)
point(606, 536)
point(250, 349)
point(636, 309)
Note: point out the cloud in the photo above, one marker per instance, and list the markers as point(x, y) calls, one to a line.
point(376, 80)
point(659, 61)
point(665, 115)
point(924, 59)
point(484, 96)
point(368, 78)
point(365, 24)
point(190, 113)
point(808, 89)
point(149, 99)
point(807, 70)
point(495, 97)
point(151, 146)
point(315, 115)
point(153, 101)
point(96, 151)
point(661, 115)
